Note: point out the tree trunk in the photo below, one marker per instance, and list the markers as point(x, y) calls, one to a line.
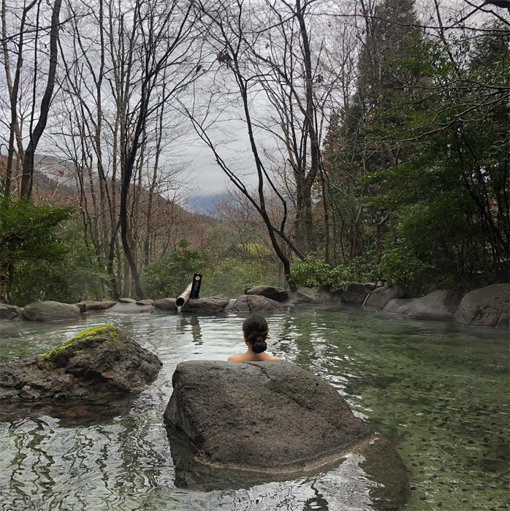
point(13, 88)
point(35, 136)
point(310, 128)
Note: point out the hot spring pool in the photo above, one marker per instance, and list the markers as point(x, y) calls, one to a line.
point(440, 394)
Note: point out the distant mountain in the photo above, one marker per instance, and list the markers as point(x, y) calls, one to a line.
point(56, 180)
point(53, 180)
point(206, 204)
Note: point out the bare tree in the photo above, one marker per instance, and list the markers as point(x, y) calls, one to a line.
point(284, 90)
point(36, 131)
point(27, 42)
point(229, 35)
point(13, 85)
point(124, 63)
point(160, 37)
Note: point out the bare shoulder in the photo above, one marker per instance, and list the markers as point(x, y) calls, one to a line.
point(235, 358)
point(273, 357)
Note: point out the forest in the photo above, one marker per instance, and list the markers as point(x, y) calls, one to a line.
point(373, 144)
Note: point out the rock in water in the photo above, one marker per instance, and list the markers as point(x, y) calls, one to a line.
point(487, 306)
point(316, 295)
point(94, 305)
point(166, 304)
point(130, 307)
point(210, 304)
point(255, 303)
point(10, 312)
point(438, 305)
point(268, 420)
point(97, 362)
point(51, 311)
point(261, 415)
point(380, 296)
point(274, 293)
point(356, 292)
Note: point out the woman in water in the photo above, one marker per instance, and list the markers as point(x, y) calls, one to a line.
point(255, 334)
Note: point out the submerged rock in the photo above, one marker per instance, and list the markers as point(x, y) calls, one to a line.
point(268, 420)
point(95, 363)
point(51, 311)
point(487, 306)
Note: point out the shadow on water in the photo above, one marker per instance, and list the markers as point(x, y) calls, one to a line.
point(70, 413)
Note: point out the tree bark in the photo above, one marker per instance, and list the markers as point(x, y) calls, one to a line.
point(36, 134)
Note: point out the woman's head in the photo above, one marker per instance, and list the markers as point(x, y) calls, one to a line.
point(255, 332)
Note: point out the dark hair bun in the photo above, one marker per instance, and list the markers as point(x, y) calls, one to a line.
point(259, 345)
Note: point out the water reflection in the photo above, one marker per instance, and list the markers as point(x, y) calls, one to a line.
point(190, 323)
point(317, 502)
point(70, 413)
point(101, 467)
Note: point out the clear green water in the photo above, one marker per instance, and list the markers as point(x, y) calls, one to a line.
point(439, 394)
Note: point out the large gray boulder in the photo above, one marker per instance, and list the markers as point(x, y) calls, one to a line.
point(314, 295)
point(487, 306)
point(356, 292)
point(274, 293)
point(380, 296)
point(263, 420)
point(51, 311)
point(438, 305)
point(255, 303)
point(10, 311)
point(211, 304)
point(95, 363)
point(129, 306)
point(396, 304)
point(167, 304)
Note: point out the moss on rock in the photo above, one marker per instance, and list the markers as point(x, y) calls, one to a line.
point(84, 340)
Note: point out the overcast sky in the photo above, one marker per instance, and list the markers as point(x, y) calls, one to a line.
point(201, 174)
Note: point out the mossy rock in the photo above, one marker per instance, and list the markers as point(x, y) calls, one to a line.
point(95, 363)
point(83, 341)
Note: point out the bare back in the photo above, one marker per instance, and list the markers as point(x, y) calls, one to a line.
point(249, 356)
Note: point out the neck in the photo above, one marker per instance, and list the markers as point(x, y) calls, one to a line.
point(252, 353)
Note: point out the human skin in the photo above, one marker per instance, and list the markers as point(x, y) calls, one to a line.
point(250, 356)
